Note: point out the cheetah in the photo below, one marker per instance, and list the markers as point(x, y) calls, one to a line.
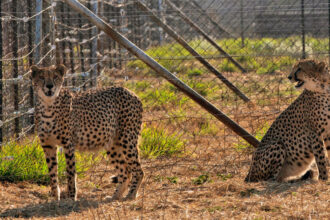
point(300, 135)
point(107, 119)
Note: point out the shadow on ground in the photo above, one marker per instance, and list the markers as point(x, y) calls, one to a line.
point(50, 209)
point(270, 187)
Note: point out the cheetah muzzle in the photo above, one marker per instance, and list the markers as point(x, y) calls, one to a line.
point(300, 83)
point(107, 119)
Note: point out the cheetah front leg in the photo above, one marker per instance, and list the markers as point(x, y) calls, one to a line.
point(51, 159)
point(321, 160)
point(327, 146)
point(71, 171)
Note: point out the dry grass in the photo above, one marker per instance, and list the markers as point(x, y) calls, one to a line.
point(171, 190)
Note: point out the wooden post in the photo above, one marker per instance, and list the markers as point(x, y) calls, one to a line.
point(329, 31)
point(93, 75)
point(81, 54)
point(38, 31)
point(30, 46)
point(205, 35)
point(52, 17)
point(15, 65)
point(1, 76)
point(162, 71)
point(242, 23)
point(303, 42)
point(183, 43)
point(46, 30)
point(71, 55)
point(62, 34)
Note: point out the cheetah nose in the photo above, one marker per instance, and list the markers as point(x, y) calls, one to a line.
point(49, 86)
point(290, 77)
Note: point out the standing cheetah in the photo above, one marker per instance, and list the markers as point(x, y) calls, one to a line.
point(301, 134)
point(103, 118)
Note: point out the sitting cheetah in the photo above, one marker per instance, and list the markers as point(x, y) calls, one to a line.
point(103, 118)
point(298, 137)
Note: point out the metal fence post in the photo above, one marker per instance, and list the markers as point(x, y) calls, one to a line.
point(303, 29)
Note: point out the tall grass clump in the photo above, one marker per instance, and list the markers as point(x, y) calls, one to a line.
point(157, 143)
point(26, 162)
point(21, 162)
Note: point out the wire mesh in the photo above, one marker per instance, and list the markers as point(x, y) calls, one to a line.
point(265, 37)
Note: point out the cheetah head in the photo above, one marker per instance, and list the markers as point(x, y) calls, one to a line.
point(311, 75)
point(47, 82)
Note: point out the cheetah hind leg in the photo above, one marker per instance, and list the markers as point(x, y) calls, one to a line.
point(267, 162)
point(121, 187)
point(137, 179)
point(123, 174)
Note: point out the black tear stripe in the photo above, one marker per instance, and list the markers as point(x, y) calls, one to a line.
point(47, 147)
point(46, 116)
point(295, 74)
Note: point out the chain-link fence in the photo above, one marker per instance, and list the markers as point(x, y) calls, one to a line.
point(251, 44)
point(263, 38)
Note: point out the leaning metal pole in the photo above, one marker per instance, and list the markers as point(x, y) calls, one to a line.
point(162, 71)
point(193, 52)
point(205, 35)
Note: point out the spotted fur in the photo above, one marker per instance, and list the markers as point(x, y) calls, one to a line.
point(300, 136)
point(107, 119)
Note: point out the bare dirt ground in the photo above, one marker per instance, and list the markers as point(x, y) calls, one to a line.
point(205, 183)
point(160, 198)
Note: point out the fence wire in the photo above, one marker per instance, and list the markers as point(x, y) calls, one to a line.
point(264, 37)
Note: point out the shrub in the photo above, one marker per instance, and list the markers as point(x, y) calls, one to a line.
point(26, 162)
point(157, 142)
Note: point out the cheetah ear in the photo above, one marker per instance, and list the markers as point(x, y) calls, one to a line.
point(61, 69)
point(321, 66)
point(34, 71)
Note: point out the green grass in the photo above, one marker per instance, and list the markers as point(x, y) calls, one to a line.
point(207, 127)
point(165, 94)
point(200, 180)
point(225, 176)
point(157, 143)
point(191, 73)
point(242, 144)
point(262, 55)
point(26, 162)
